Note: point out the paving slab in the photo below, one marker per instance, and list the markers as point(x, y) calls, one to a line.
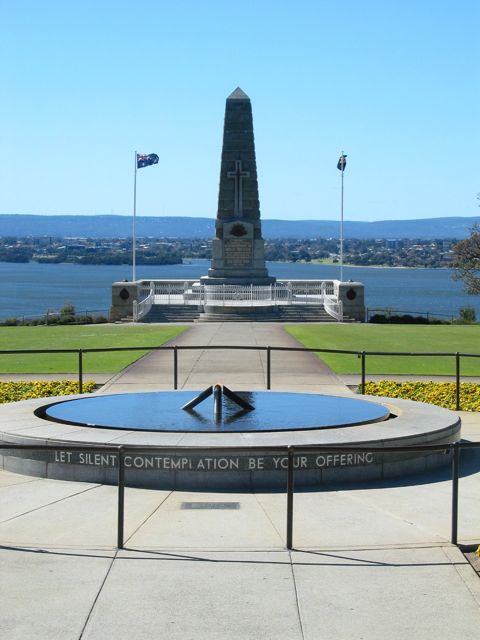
point(49, 595)
point(378, 594)
point(17, 499)
point(83, 519)
point(470, 425)
point(325, 519)
point(172, 526)
point(202, 597)
point(427, 501)
point(8, 479)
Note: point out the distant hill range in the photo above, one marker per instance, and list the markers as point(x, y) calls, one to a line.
point(113, 226)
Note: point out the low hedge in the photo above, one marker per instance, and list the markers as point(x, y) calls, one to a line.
point(440, 393)
point(21, 390)
point(380, 318)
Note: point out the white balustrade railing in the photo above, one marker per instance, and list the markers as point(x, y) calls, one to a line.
point(334, 308)
point(147, 299)
point(190, 292)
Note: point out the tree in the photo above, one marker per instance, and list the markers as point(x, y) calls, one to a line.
point(467, 315)
point(67, 313)
point(467, 261)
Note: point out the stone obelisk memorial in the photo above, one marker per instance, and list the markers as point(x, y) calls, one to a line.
point(237, 286)
point(238, 255)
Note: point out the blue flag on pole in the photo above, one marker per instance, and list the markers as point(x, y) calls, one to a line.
point(144, 160)
point(342, 162)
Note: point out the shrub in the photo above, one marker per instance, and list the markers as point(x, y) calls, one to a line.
point(10, 322)
point(22, 390)
point(380, 318)
point(467, 316)
point(443, 394)
point(67, 314)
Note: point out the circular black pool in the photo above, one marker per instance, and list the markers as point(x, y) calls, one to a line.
point(162, 411)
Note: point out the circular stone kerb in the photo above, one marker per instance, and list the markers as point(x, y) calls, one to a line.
point(172, 467)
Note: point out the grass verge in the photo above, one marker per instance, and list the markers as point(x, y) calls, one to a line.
point(79, 337)
point(370, 337)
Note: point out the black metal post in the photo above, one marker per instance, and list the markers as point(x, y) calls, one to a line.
point(121, 498)
point(457, 380)
point(363, 372)
point(80, 371)
point(175, 367)
point(290, 486)
point(269, 367)
point(455, 474)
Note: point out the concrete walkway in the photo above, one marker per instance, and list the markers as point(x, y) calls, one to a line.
point(239, 369)
point(371, 562)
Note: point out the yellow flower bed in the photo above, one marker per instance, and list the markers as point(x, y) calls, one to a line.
point(14, 391)
point(439, 393)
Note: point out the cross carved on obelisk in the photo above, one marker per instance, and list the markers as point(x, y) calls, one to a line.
point(238, 175)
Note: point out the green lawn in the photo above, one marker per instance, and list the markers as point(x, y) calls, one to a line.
point(76, 337)
point(410, 338)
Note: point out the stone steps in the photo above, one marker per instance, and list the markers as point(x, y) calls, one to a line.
point(232, 317)
point(172, 313)
point(280, 313)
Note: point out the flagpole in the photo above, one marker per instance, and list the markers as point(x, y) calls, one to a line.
point(341, 227)
point(145, 160)
point(134, 242)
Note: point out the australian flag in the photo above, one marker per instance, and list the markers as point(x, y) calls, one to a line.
point(342, 162)
point(144, 160)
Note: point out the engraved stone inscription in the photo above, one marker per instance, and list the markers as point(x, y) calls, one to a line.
point(237, 252)
point(159, 462)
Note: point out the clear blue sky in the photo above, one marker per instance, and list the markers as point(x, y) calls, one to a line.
point(394, 84)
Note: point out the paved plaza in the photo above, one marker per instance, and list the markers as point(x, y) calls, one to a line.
point(370, 561)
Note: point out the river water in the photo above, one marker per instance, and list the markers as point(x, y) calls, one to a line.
point(32, 288)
